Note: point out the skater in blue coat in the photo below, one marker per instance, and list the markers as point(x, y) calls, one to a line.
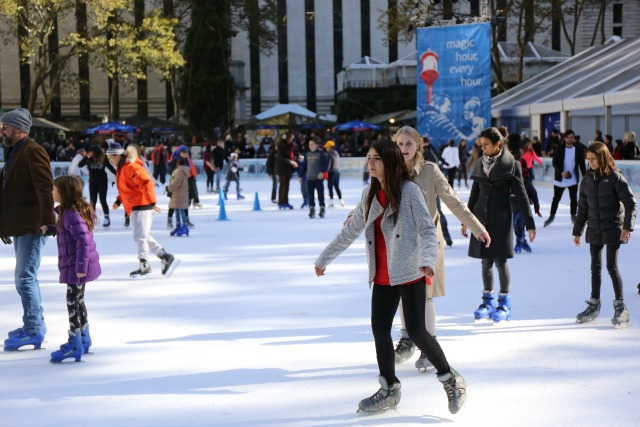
point(607, 207)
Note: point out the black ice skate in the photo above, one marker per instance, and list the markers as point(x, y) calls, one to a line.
point(456, 389)
point(169, 263)
point(404, 349)
point(423, 363)
point(387, 397)
point(143, 271)
point(591, 312)
point(621, 316)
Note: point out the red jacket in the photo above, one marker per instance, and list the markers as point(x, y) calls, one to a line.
point(135, 186)
point(157, 155)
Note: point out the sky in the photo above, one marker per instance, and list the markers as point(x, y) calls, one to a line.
point(245, 334)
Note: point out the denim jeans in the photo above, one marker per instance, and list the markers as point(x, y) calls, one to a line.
point(28, 249)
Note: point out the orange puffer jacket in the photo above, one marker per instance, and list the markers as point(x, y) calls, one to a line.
point(135, 186)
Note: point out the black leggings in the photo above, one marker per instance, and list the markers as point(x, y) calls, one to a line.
point(612, 268)
point(75, 306)
point(384, 304)
point(210, 174)
point(99, 188)
point(503, 274)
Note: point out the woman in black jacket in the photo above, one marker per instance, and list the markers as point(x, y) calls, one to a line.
point(284, 166)
point(607, 206)
point(98, 180)
point(495, 176)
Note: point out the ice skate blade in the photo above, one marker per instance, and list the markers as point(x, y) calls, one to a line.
point(360, 411)
point(140, 276)
point(622, 325)
point(172, 267)
point(18, 350)
point(69, 362)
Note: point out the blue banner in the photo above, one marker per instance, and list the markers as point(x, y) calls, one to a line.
point(550, 122)
point(454, 82)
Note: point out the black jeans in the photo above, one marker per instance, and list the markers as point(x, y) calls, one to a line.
point(557, 195)
point(101, 189)
point(384, 304)
point(503, 274)
point(612, 268)
point(317, 185)
point(283, 190)
point(334, 182)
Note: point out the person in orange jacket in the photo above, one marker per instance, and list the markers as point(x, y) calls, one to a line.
point(160, 158)
point(136, 193)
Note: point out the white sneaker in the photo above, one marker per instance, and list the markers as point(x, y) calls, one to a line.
point(341, 202)
point(330, 203)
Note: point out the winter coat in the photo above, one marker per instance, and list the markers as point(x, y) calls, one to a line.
point(26, 200)
point(334, 160)
point(433, 183)
point(179, 188)
point(558, 162)
point(135, 186)
point(231, 175)
point(490, 202)
point(77, 251)
point(606, 205)
point(411, 243)
point(284, 157)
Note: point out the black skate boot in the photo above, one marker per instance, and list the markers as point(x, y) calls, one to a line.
point(169, 263)
point(549, 220)
point(621, 315)
point(127, 221)
point(169, 223)
point(107, 221)
point(592, 311)
point(404, 349)
point(386, 398)
point(143, 271)
point(456, 389)
point(312, 212)
point(321, 214)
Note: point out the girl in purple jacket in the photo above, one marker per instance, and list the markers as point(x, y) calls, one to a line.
point(78, 261)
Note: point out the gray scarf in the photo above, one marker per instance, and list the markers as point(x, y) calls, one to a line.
point(489, 162)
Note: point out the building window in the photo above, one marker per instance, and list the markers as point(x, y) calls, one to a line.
point(617, 31)
point(617, 13)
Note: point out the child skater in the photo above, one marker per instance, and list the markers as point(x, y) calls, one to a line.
point(607, 206)
point(402, 251)
point(78, 261)
point(233, 175)
point(179, 189)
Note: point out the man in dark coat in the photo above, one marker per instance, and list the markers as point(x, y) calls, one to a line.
point(568, 162)
point(26, 204)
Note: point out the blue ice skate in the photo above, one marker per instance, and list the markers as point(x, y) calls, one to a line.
point(526, 246)
point(240, 196)
point(183, 230)
point(176, 230)
point(503, 312)
point(16, 332)
point(72, 348)
point(22, 338)
point(518, 248)
point(487, 308)
point(86, 338)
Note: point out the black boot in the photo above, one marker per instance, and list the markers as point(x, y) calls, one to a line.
point(142, 271)
point(312, 212)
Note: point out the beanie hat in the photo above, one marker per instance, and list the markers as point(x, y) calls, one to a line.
point(114, 147)
point(20, 118)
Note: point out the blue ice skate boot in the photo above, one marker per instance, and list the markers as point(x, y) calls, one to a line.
point(176, 230)
point(240, 196)
point(503, 312)
point(183, 230)
point(22, 338)
point(86, 338)
point(72, 348)
point(16, 332)
point(517, 248)
point(487, 308)
point(526, 246)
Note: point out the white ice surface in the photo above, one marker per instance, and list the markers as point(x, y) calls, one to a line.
point(244, 334)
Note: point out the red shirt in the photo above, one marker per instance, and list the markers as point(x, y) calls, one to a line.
point(382, 271)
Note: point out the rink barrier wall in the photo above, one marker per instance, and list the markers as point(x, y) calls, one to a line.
point(354, 167)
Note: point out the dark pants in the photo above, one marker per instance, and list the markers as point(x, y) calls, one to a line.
point(334, 182)
point(384, 304)
point(462, 173)
point(518, 227)
point(317, 185)
point(283, 191)
point(503, 274)
point(75, 306)
point(193, 190)
point(274, 187)
point(210, 174)
point(451, 175)
point(557, 195)
point(101, 189)
point(612, 268)
point(443, 223)
point(160, 171)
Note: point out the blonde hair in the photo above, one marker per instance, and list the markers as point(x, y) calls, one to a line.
point(131, 152)
point(418, 159)
point(630, 136)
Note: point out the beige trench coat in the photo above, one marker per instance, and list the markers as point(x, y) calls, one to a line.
point(433, 183)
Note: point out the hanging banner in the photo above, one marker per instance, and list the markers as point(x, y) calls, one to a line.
point(454, 82)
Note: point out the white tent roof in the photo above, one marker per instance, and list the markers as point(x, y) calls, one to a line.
point(600, 76)
point(280, 109)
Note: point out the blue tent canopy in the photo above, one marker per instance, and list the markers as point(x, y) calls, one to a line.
point(356, 125)
point(110, 128)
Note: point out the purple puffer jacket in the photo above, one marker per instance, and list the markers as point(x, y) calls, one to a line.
point(77, 251)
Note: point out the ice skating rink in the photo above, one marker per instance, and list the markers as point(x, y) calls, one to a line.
point(244, 334)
